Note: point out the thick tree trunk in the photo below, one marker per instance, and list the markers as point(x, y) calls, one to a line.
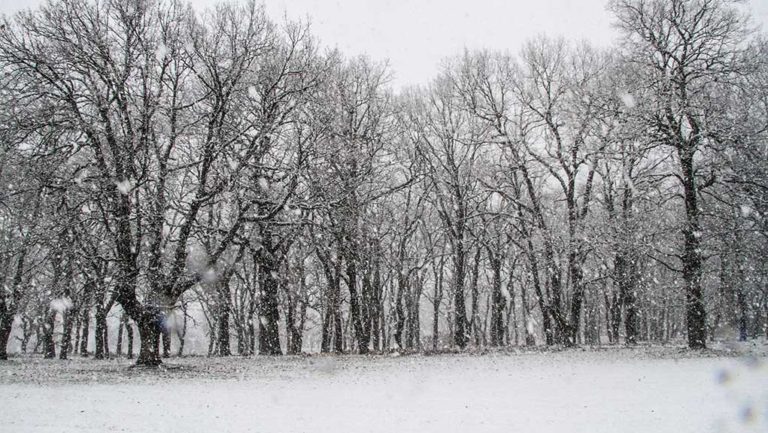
point(76, 327)
point(85, 320)
point(630, 316)
point(294, 330)
point(546, 313)
point(741, 300)
point(6, 326)
point(326, 336)
point(460, 311)
point(129, 332)
point(530, 338)
point(437, 299)
point(695, 314)
point(66, 335)
point(367, 310)
point(402, 287)
point(290, 314)
point(297, 330)
point(332, 338)
point(27, 332)
point(99, 331)
point(377, 314)
point(165, 333)
point(223, 331)
point(355, 310)
point(613, 316)
point(475, 299)
point(119, 346)
point(497, 304)
point(49, 345)
point(625, 279)
point(577, 300)
point(269, 313)
point(8, 305)
point(413, 329)
point(149, 334)
point(512, 313)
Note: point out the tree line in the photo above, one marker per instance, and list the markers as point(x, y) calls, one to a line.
point(156, 159)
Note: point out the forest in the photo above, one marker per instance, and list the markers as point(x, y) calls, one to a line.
point(165, 169)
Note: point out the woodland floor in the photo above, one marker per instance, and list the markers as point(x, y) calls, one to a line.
point(643, 389)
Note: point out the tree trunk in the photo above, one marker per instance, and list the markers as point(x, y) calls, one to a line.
point(290, 314)
point(76, 327)
point(530, 339)
point(326, 337)
point(377, 315)
point(625, 279)
point(86, 317)
point(119, 346)
point(355, 310)
point(475, 291)
point(165, 332)
point(741, 300)
point(332, 330)
point(223, 334)
point(695, 314)
point(6, 325)
point(460, 312)
point(512, 313)
point(546, 312)
point(66, 335)
point(149, 333)
point(438, 297)
point(269, 314)
point(129, 332)
point(101, 324)
point(577, 299)
point(367, 309)
point(49, 345)
point(402, 287)
point(294, 313)
point(497, 303)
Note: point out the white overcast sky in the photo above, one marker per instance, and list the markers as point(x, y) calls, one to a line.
point(416, 34)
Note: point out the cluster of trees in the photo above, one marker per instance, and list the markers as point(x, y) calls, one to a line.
point(156, 160)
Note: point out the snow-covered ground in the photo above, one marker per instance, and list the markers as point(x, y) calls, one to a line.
point(618, 390)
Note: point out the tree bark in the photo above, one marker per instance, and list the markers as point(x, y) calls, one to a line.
point(696, 319)
point(101, 324)
point(119, 346)
point(49, 345)
point(85, 320)
point(438, 297)
point(269, 313)
point(66, 334)
point(129, 332)
point(475, 291)
point(625, 278)
point(149, 331)
point(497, 303)
point(6, 325)
point(223, 331)
point(460, 312)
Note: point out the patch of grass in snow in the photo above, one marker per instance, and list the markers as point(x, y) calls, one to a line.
point(33, 369)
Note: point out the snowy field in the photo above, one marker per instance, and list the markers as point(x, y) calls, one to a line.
point(611, 390)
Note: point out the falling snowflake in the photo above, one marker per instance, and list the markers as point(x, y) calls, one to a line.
point(263, 183)
point(124, 186)
point(61, 305)
point(210, 275)
point(628, 100)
